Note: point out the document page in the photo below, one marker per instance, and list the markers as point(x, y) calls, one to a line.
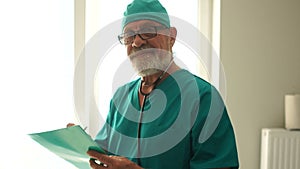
point(69, 143)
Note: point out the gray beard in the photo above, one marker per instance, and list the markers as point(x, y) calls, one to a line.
point(151, 63)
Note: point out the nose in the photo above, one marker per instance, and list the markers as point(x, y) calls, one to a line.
point(138, 41)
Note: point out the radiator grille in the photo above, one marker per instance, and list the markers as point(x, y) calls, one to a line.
point(280, 149)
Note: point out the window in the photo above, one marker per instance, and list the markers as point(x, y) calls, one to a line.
point(99, 16)
point(36, 70)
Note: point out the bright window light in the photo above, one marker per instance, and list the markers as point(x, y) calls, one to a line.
point(36, 70)
point(117, 54)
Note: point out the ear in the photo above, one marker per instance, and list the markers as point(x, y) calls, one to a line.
point(173, 34)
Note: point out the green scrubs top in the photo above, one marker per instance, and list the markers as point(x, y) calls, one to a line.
point(184, 125)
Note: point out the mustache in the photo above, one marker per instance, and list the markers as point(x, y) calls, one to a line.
point(144, 47)
point(135, 51)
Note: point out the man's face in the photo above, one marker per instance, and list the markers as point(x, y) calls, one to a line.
point(149, 54)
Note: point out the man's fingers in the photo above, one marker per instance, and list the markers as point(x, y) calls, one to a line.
point(70, 124)
point(99, 156)
point(93, 164)
point(97, 164)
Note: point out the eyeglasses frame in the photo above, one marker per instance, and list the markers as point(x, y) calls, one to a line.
point(134, 33)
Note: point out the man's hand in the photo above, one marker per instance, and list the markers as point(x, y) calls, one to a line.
point(70, 124)
point(111, 162)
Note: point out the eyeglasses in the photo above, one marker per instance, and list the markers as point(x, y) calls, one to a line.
point(145, 33)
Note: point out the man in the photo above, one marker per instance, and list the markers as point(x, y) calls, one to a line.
point(168, 119)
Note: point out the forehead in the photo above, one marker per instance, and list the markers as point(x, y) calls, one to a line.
point(136, 25)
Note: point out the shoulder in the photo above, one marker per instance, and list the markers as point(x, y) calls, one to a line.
point(191, 82)
point(126, 88)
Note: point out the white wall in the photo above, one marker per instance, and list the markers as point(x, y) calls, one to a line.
point(260, 52)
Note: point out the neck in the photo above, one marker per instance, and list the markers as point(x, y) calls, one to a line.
point(161, 75)
point(150, 82)
point(151, 79)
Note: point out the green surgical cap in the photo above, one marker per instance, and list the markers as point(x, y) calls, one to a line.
point(146, 10)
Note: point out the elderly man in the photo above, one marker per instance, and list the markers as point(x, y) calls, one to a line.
point(169, 118)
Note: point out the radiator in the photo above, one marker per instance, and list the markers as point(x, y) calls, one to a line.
point(280, 149)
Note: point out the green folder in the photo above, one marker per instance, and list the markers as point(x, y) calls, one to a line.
point(69, 143)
